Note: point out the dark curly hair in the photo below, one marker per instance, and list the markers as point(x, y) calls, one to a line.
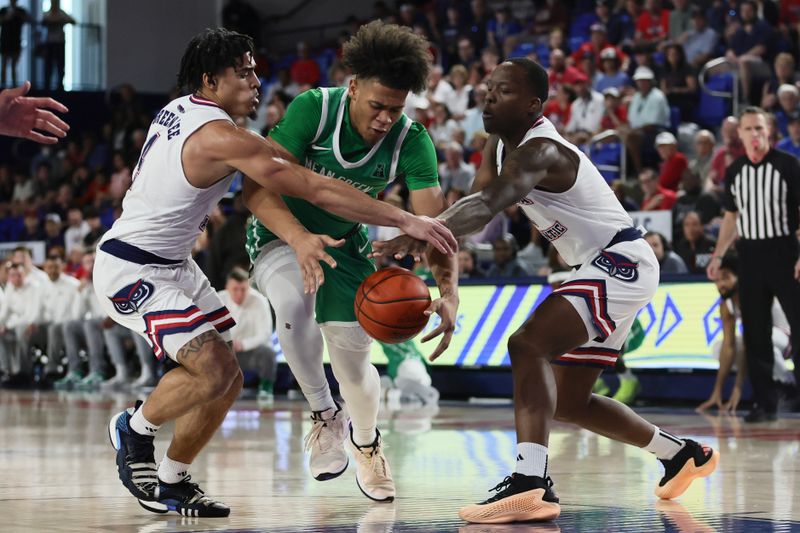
point(391, 54)
point(211, 52)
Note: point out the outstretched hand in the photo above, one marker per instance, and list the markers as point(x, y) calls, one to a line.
point(433, 231)
point(310, 250)
point(21, 116)
point(446, 308)
point(399, 247)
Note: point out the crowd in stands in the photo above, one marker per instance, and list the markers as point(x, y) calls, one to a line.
point(629, 68)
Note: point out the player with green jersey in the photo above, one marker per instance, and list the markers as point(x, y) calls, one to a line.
point(359, 135)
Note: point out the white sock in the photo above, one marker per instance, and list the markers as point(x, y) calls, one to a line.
point(664, 445)
point(141, 425)
point(531, 459)
point(170, 471)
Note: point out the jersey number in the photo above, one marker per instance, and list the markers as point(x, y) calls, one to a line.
point(146, 148)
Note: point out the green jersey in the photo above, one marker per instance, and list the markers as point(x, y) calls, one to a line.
point(317, 131)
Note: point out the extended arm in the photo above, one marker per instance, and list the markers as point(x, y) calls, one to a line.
point(727, 234)
point(726, 358)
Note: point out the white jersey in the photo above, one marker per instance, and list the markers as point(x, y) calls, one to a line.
point(162, 213)
point(580, 221)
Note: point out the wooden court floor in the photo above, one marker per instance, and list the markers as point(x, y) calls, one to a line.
point(57, 473)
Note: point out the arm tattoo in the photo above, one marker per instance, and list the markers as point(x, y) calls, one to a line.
point(197, 344)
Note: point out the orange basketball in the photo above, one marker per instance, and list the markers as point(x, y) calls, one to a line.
point(390, 304)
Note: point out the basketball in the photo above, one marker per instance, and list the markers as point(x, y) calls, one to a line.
point(390, 305)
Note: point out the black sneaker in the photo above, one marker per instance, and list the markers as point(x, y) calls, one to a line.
point(136, 461)
point(759, 414)
point(519, 498)
point(693, 461)
point(185, 498)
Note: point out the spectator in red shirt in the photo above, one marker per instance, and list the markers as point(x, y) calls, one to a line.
point(594, 47)
point(615, 114)
point(674, 162)
point(561, 73)
point(731, 149)
point(305, 70)
point(656, 197)
point(652, 26)
point(557, 110)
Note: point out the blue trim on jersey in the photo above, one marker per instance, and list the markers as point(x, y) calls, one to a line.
point(134, 254)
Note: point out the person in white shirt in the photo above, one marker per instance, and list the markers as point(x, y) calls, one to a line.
point(586, 112)
point(77, 229)
point(22, 255)
point(439, 91)
point(252, 333)
point(20, 311)
point(455, 175)
point(58, 307)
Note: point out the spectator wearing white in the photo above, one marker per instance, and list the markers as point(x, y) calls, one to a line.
point(648, 114)
point(700, 41)
point(457, 102)
point(58, 307)
point(34, 275)
point(455, 175)
point(700, 164)
point(252, 333)
point(20, 311)
point(439, 91)
point(473, 118)
point(86, 328)
point(442, 128)
point(585, 113)
point(76, 230)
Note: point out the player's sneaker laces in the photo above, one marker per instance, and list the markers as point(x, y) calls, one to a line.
point(136, 463)
point(185, 498)
point(693, 461)
point(519, 498)
point(325, 441)
point(373, 475)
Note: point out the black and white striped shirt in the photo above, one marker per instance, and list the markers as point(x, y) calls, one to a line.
point(766, 195)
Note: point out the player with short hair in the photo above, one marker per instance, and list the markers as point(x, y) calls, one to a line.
point(146, 280)
point(581, 327)
point(358, 135)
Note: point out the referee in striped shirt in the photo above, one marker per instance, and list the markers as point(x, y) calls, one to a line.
point(762, 206)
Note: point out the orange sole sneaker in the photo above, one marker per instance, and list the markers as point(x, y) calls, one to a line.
point(681, 481)
point(523, 507)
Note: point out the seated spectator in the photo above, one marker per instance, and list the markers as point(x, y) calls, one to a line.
point(622, 27)
point(700, 41)
point(673, 162)
point(52, 231)
point(784, 73)
point(442, 128)
point(501, 27)
point(58, 308)
point(695, 248)
point(692, 197)
point(96, 228)
point(455, 176)
point(730, 150)
point(549, 14)
point(648, 115)
point(305, 71)
point(679, 81)
point(700, 164)
point(457, 101)
point(534, 254)
point(120, 178)
point(24, 187)
point(439, 90)
point(560, 73)
point(77, 229)
point(680, 19)
point(473, 117)
point(655, 197)
point(252, 333)
point(557, 110)
point(788, 105)
point(585, 113)
point(20, 311)
point(748, 47)
point(32, 230)
point(468, 267)
point(611, 74)
point(621, 192)
point(506, 263)
point(479, 141)
point(34, 275)
point(593, 49)
point(652, 26)
point(791, 143)
point(669, 261)
point(615, 113)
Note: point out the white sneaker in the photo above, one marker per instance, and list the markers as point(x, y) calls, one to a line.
point(325, 441)
point(373, 475)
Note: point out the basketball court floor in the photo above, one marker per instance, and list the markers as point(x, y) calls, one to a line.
point(58, 473)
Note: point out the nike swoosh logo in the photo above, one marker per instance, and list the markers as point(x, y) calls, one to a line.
point(362, 248)
point(320, 148)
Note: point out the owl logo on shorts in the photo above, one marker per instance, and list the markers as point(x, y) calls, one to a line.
point(130, 298)
point(618, 266)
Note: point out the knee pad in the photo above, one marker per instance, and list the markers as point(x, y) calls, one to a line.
point(350, 337)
